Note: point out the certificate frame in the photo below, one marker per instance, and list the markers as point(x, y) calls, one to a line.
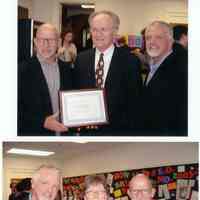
point(84, 107)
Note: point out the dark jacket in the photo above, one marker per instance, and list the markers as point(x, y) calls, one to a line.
point(34, 103)
point(22, 196)
point(165, 99)
point(122, 88)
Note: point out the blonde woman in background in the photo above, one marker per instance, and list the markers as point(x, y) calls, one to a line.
point(67, 52)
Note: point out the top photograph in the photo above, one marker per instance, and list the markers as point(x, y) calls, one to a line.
point(102, 68)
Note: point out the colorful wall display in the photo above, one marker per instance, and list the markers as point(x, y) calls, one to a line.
point(171, 182)
point(135, 41)
point(132, 41)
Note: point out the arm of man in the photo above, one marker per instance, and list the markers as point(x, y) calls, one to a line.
point(134, 84)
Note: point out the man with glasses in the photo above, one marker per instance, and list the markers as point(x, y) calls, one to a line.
point(96, 188)
point(113, 69)
point(140, 188)
point(39, 80)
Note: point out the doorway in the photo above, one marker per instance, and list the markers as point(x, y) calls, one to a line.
point(76, 18)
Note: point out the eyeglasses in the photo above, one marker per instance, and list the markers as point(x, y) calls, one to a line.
point(95, 193)
point(101, 30)
point(50, 41)
point(142, 191)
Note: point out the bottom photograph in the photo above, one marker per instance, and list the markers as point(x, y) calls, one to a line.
point(100, 170)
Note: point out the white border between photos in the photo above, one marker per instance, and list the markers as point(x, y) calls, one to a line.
point(8, 75)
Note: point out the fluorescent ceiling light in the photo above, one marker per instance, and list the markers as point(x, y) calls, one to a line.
point(30, 152)
point(87, 6)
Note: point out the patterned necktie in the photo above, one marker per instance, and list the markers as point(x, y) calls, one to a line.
point(100, 72)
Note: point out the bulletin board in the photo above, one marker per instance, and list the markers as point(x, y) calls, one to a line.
point(171, 182)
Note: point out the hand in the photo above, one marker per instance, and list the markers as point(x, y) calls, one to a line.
point(52, 124)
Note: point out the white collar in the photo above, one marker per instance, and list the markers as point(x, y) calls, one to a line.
point(107, 51)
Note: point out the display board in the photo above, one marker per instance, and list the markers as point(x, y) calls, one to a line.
point(171, 182)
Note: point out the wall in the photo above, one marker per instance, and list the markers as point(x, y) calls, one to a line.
point(26, 4)
point(134, 14)
point(132, 156)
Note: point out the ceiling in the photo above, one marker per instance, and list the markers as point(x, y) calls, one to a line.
point(62, 149)
point(70, 150)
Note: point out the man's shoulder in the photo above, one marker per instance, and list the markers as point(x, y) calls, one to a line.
point(26, 65)
point(86, 53)
point(124, 51)
point(126, 55)
point(22, 196)
point(29, 61)
point(62, 63)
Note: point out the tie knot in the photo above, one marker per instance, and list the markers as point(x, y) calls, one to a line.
point(101, 61)
point(101, 55)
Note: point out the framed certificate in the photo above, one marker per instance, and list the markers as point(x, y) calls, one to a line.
point(83, 107)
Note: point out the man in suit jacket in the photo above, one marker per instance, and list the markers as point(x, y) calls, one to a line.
point(121, 78)
point(39, 81)
point(165, 89)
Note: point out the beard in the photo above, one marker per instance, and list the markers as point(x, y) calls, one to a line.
point(153, 53)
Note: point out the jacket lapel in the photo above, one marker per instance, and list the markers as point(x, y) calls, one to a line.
point(43, 83)
point(91, 61)
point(161, 69)
point(112, 67)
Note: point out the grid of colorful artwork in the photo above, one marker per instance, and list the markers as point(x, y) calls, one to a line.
point(171, 182)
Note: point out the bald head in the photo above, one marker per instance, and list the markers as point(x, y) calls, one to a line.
point(140, 188)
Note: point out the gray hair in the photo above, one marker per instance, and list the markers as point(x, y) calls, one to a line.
point(48, 26)
point(95, 180)
point(112, 15)
point(37, 174)
point(163, 24)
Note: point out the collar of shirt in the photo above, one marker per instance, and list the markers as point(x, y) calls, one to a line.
point(107, 56)
point(155, 66)
point(30, 196)
point(42, 61)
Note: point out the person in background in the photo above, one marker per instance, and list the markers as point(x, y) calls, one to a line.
point(39, 81)
point(180, 46)
point(181, 35)
point(113, 69)
point(23, 189)
point(13, 191)
point(140, 188)
point(96, 188)
point(68, 51)
point(165, 89)
point(143, 56)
